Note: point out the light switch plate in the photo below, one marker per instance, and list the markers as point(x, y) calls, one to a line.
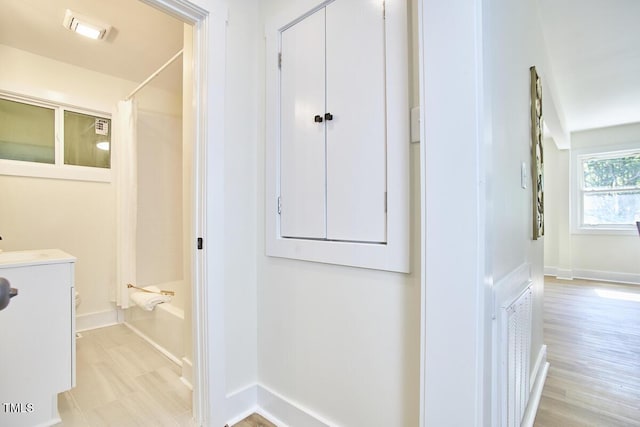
point(524, 175)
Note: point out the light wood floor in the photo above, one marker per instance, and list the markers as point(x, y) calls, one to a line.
point(593, 342)
point(123, 381)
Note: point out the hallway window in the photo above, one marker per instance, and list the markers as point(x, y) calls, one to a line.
point(609, 189)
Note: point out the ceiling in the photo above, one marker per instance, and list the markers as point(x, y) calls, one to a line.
point(593, 46)
point(141, 39)
point(594, 50)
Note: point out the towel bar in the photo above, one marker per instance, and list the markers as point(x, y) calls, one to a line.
point(162, 292)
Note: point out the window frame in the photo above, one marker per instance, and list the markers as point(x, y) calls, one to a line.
point(58, 169)
point(578, 191)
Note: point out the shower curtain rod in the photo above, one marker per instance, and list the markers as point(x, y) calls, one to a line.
point(154, 75)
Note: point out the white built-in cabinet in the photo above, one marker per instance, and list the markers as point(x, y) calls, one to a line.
point(333, 142)
point(337, 135)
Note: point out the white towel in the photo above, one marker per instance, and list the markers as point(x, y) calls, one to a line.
point(148, 301)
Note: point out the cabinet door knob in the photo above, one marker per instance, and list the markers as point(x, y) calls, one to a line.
point(328, 116)
point(317, 119)
point(6, 293)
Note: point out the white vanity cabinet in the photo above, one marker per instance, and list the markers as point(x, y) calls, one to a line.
point(37, 336)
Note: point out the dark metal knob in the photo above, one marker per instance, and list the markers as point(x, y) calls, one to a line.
point(6, 293)
point(328, 116)
point(317, 119)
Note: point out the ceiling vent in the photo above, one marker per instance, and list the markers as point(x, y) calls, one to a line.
point(85, 26)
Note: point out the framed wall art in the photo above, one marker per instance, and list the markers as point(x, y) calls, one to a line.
point(537, 155)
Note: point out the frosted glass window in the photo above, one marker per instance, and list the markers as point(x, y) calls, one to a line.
point(87, 140)
point(27, 132)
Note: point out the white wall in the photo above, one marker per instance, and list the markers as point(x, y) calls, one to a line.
point(557, 242)
point(513, 42)
point(476, 59)
point(476, 95)
point(591, 256)
point(159, 229)
point(340, 342)
point(75, 216)
point(453, 235)
point(240, 187)
point(26, 73)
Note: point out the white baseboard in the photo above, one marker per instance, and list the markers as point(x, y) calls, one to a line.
point(242, 415)
point(608, 276)
point(275, 406)
point(604, 276)
point(154, 344)
point(257, 398)
point(559, 273)
point(538, 377)
point(271, 417)
point(241, 403)
point(564, 273)
point(540, 361)
point(99, 319)
point(186, 376)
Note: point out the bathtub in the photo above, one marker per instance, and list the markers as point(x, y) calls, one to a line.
point(163, 327)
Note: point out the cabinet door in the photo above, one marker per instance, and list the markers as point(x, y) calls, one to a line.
point(36, 335)
point(356, 137)
point(302, 144)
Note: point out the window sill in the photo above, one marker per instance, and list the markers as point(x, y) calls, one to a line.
point(392, 256)
point(41, 170)
point(631, 231)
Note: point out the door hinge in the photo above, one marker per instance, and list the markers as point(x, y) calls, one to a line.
point(384, 10)
point(200, 243)
point(385, 202)
point(279, 205)
point(279, 60)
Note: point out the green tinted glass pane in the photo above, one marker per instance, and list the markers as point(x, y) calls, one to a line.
point(27, 132)
point(87, 140)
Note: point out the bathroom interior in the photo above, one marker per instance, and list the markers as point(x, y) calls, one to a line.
point(123, 220)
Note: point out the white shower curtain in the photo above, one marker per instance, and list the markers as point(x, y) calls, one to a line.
point(124, 151)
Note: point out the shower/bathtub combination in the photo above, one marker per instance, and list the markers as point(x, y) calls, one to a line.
point(163, 327)
point(154, 207)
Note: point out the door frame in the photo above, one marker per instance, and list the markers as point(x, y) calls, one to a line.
point(208, 18)
point(456, 260)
